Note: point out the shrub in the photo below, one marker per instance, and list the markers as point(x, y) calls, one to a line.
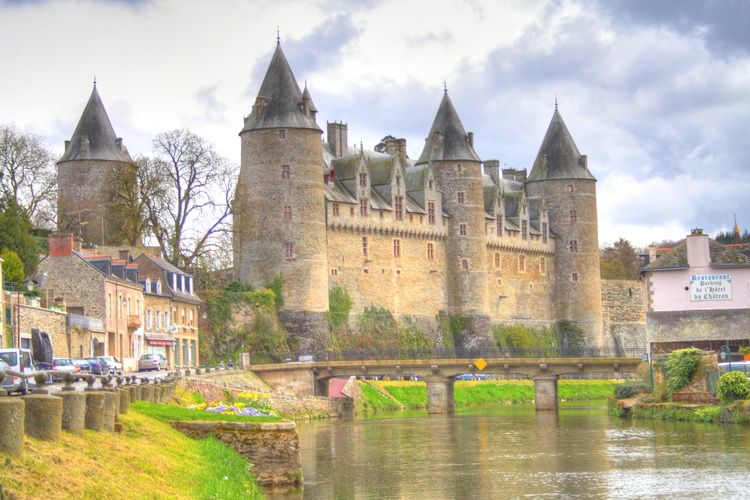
point(631, 388)
point(340, 304)
point(681, 366)
point(733, 386)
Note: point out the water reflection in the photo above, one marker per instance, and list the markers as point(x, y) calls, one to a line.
point(516, 452)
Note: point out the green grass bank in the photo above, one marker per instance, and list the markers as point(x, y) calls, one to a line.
point(148, 459)
point(734, 413)
point(475, 393)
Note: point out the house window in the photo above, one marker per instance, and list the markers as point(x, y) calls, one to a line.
point(570, 188)
point(430, 251)
point(288, 250)
point(382, 214)
point(574, 277)
point(573, 216)
point(524, 230)
point(464, 264)
point(286, 172)
point(282, 134)
point(334, 272)
point(364, 246)
point(411, 218)
point(499, 226)
point(462, 229)
point(397, 248)
point(522, 263)
point(431, 212)
point(363, 180)
point(399, 208)
point(544, 232)
point(351, 211)
point(149, 320)
point(458, 168)
point(573, 246)
point(497, 260)
point(542, 265)
point(287, 212)
point(460, 198)
point(363, 207)
point(336, 209)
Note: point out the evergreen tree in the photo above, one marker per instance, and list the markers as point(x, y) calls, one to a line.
point(15, 236)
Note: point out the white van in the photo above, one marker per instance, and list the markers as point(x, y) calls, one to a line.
point(21, 361)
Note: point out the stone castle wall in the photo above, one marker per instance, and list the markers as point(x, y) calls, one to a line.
point(624, 312)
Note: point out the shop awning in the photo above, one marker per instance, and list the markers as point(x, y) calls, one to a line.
point(159, 339)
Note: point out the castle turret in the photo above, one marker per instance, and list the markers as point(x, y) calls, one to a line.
point(450, 152)
point(561, 176)
point(93, 168)
point(279, 222)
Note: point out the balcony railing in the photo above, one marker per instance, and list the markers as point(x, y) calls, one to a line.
point(85, 322)
point(134, 321)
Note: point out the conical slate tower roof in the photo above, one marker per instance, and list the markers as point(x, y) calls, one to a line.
point(447, 139)
point(96, 127)
point(279, 103)
point(563, 161)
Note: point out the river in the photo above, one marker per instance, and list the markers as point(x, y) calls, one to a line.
point(515, 452)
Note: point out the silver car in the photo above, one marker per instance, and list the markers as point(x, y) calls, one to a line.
point(153, 361)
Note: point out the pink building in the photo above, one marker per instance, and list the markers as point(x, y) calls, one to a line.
point(698, 294)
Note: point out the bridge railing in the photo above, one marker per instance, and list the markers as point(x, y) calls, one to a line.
point(471, 353)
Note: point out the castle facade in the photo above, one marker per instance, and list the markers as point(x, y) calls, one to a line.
point(447, 232)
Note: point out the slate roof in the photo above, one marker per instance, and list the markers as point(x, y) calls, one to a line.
point(677, 258)
point(447, 139)
point(95, 124)
point(563, 161)
point(283, 99)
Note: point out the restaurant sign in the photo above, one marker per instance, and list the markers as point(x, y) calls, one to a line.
point(710, 287)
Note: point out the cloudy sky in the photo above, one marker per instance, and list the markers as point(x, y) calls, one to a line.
point(656, 93)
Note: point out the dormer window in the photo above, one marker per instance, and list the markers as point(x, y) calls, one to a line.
point(363, 207)
point(429, 184)
point(398, 180)
point(398, 208)
point(362, 180)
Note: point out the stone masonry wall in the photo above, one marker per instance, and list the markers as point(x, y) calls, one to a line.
point(624, 313)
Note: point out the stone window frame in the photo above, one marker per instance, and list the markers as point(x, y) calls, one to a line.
point(461, 199)
point(398, 207)
point(462, 231)
point(544, 232)
point(574, 277)
point(363, 207)
point(573, 246)
point(334, 271)
point(499, 223)
point(397, 248)
point(429, 184)
point(569, 188)
point(459, 168)
point(336, 209)
point(365, 248)
point(522, 263)
point(464, 263)
point(282, 134)
point(351, 211)
point(430, 250)
point(431, 211)
point(542, 265)
point(573, 216)
point(288, 250)
point(287, 212)
point(398, 180)
point(498, 261)
point(286, 172)
point(363, 179)
point(524, 229)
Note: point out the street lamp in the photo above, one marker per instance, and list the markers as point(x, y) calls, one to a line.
point(726, 353)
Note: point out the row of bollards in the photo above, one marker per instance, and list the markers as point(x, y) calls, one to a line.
point(42, 415)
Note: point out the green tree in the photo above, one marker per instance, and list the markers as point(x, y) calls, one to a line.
point(733, 386)
point(382, 146)
point(15, 235)
point(612, 269)
point(12, 265)
point(28, 177)
point(623, 252)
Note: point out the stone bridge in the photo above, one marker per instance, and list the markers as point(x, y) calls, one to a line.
point(312, 378)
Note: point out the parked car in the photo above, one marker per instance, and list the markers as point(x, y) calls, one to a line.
point(84, 367)
point(115, 367)
point(154, 361)
point(21, 361)
point(8, 383)
point(60, 366)
point(474, 376)
point(98, 367)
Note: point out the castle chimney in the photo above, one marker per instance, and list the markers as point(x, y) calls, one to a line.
point(470, 138)
point(492, 168)
point(401, 145)
point(260, 107)
point(306, 105)
point(584, 162)
point(60, 245)
point(391, 146)
point(651, 254)
point(67, 144)
point(125, 255)
point(337, 138)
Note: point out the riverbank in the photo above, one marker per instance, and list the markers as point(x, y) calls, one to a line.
point(734, 413)
point(387, 395)
point(148, 459)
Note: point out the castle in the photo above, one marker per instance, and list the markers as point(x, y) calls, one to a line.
point(447, 232)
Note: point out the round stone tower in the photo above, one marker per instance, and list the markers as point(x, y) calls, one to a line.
point(93, 168)
point(450, 152)
point(279, 222)
point(561, 176)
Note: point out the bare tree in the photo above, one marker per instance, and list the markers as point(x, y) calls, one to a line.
point(186, 193)
point(28, 178)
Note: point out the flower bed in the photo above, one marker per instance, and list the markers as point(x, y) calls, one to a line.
point(247, 404)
